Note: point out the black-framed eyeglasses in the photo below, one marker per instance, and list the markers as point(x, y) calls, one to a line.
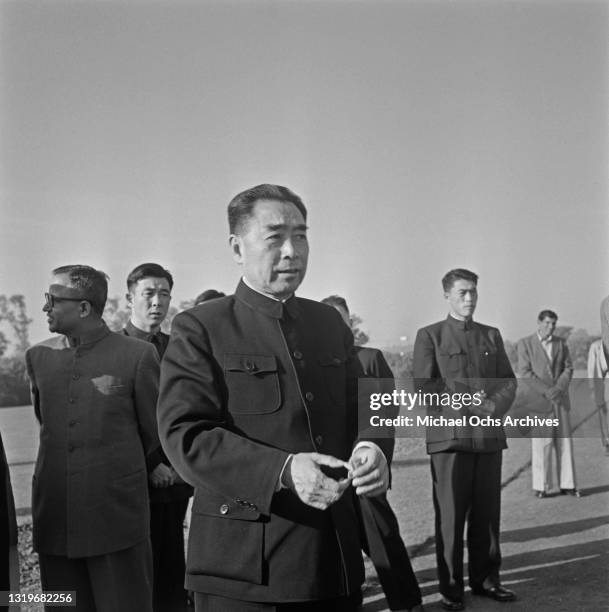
point(51, 300)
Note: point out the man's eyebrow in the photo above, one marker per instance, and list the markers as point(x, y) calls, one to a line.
point(281, 226)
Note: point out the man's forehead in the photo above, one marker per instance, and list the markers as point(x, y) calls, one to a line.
point(61, 286)
point(272, 213)
point(462, 284)
point(152, 282)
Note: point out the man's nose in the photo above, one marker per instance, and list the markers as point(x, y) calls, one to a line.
point(45, 307)
point(287, 249)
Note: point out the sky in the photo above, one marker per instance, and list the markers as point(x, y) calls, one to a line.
point(422, 136)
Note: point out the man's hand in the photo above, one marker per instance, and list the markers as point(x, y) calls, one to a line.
point(161, 476)
point(553, 394)
point(369, 471)
point(304, 477)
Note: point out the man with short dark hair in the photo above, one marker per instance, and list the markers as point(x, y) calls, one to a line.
point(208, 294)
point(545, 366)
point(149, 287)
point(380, 529)
point(258, 410)
point(94, 394)
point(461, 355)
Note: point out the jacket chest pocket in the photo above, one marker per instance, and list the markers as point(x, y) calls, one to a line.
point(453, 361)
point(253, 383)
point(334, 376)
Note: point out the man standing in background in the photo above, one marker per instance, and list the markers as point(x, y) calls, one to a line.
point(380, 528)
point(545, 367)
point(149, 288)
point(597, 378)
point(454, 355)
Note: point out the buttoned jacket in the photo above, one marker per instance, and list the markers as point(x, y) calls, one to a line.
point(455, 356)
point(96, 406)
point(179, 491)
point(245, 381)
point(539, 373)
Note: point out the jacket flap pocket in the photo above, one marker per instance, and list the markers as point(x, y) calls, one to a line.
point(451, 351)
point(250, 364)
point(210, 504)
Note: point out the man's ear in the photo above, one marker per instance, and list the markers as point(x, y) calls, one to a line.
point(236, 246)
point(129, 299)
point(85, 309)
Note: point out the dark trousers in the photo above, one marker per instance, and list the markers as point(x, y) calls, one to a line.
point(466, 486)
point(215, 603)
point(382, 542)
point(169, 568)
point(117, 582)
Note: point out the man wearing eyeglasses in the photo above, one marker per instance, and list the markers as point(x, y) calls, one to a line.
point(94, 394)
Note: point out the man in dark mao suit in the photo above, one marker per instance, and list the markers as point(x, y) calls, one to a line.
point(381, 532)
point(257, 410)
point(458, 355)
point(94, 394)
point(149, 288)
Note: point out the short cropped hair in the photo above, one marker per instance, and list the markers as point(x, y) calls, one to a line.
point(453, 276)
point(241, 206)
point(207, 295)
point(147, 270)
point(549, 314)
point(92, 283)
point(336, 300)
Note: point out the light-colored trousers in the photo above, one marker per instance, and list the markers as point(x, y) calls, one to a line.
point(541, 463)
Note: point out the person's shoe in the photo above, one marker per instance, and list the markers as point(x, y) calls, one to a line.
point(539, 494)
point(452, 605)
point(496, 592)
point(572, 492)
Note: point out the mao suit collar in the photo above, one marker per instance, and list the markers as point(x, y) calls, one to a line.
point(266, 305)
point(464, 325)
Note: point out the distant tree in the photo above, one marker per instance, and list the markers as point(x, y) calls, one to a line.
point(13, 312)
point(401, 363)
point(3, 344)
point(563, 331)
point(115, 314)
point(579, 342)
point(360, 337)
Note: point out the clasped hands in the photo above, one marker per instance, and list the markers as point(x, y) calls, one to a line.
point(163, 476)
point(366, 471)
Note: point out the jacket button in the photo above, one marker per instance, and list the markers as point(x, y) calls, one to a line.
point(71, 400)
point(72, 423)
point(309, 396)
point(71, 447)
point(297, 355)
point(336, 361)
point(75, 376)
point(319, 440)
point(224, 509)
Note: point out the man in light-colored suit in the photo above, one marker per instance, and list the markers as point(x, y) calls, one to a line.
point(545, 365)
